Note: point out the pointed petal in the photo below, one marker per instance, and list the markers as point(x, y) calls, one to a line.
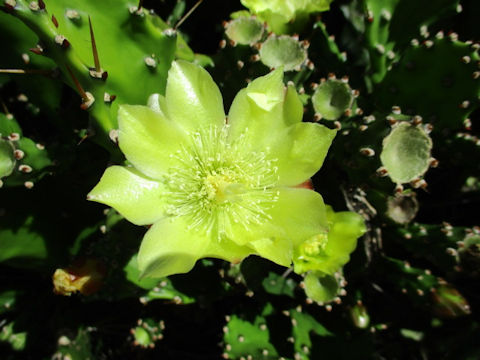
point(278, 250)
point(148, 139)
point(297, 215)
point(156, 102)
point(257, 110)
point(301, 152)
point(193, 99)
point(169, 248)
point(292, 107)
point(227, 250)
point(138, 198)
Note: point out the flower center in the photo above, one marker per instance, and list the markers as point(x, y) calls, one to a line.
point(220, 188)
point(220, 183)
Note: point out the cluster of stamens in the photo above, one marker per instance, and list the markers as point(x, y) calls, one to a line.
point(219, 184)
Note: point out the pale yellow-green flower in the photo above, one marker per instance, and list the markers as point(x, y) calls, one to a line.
point(217, 186)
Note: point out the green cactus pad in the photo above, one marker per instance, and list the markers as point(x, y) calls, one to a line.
point(244, 30)
point(7, 159)
point(332, 98)
point(406, 152)
point(283, 51)
point(245, 338)
point(442, 92)
point(321, 288)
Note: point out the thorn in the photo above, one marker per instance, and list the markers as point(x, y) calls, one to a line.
point(62, 41)
point(28, 184)
point(34, 6)
point(453, 36)
point(10, 4)
point(150, 62)
point(380, 48)
point(139, 8)
point(79, 87)
point(5, 109)
point(37, 49)
point(382, 171)
point(26, 58)
point(370, 16)
point(424, 31)
point(428, 128)
point(14, 137)
point(418, 183)
point(428, 44)
point(433, 162)
point(109, 98)
point(26, 71)
point(96, 60)
point(417, 120)
point(367, 151)
point(86, 104)
point(41, 4)
point(180, 22)
point(391, 120)
point(25, 168)
point(18, 154)
point(54, 21)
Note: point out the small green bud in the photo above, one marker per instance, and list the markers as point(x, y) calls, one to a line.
point(320, 287)
point(359, 316)
point(283, 51)
point(244, 30)
point(406, 152)
point(332, 99)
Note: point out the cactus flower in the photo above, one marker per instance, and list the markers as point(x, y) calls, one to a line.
point(217, 186)
point(279, 13)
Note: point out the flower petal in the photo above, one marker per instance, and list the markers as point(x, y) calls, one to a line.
point(193, 99)
point(257, 110)
point(301, 152)
point(138, 198)
point(297, 215)
point(148, 139)
point(227, 250)
point(292, 107)
point(169, 248)
point(278, 250)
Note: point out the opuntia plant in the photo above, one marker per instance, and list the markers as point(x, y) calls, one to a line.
point(251, 179)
